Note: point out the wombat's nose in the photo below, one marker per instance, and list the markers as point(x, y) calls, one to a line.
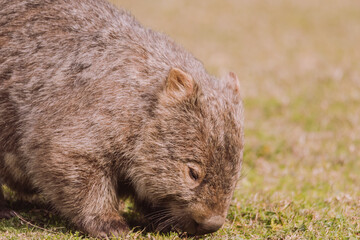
point(210, 225)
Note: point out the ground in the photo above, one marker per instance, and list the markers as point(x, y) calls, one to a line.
point(298, 62)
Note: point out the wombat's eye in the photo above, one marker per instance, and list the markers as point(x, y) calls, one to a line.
point(193, 174)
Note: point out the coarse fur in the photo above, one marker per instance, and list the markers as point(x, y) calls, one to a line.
point(95, 108)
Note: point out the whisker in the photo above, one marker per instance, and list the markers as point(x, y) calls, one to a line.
point(163, 218)
point(168, 223)
point(161, 211)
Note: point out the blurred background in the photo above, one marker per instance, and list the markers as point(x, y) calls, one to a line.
point(298, 62)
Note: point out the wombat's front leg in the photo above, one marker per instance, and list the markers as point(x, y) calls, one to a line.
point(4, 211)
point(84, 193)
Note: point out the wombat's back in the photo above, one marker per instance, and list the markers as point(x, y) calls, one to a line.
point(60, 62)
point(43, 43)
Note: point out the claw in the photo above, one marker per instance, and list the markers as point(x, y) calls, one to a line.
point(6, 213)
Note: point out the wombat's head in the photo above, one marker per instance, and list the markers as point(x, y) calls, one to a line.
point(192, 153)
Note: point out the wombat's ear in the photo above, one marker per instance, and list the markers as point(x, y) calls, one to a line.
point(179, 85)
point(232, 82)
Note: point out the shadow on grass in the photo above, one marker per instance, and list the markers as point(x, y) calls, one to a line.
point(36, 215)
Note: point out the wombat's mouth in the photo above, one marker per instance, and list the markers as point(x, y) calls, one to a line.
point(180, 219)
point(206, 226)
point(163, 220)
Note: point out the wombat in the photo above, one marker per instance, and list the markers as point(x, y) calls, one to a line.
point(95, 108)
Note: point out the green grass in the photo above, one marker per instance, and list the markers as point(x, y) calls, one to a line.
point(299, 67)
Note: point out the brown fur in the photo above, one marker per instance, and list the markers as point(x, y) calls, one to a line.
point(95, 108)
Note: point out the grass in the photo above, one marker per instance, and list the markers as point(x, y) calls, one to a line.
point(298, 64)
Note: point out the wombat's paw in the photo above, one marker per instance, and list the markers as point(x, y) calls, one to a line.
point(6, 213)
point(108, 227)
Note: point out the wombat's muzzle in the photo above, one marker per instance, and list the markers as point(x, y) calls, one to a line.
point(209, 225)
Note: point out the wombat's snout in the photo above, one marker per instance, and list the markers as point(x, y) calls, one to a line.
point(209, 225)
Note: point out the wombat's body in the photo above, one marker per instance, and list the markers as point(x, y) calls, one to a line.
point(95, 108)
